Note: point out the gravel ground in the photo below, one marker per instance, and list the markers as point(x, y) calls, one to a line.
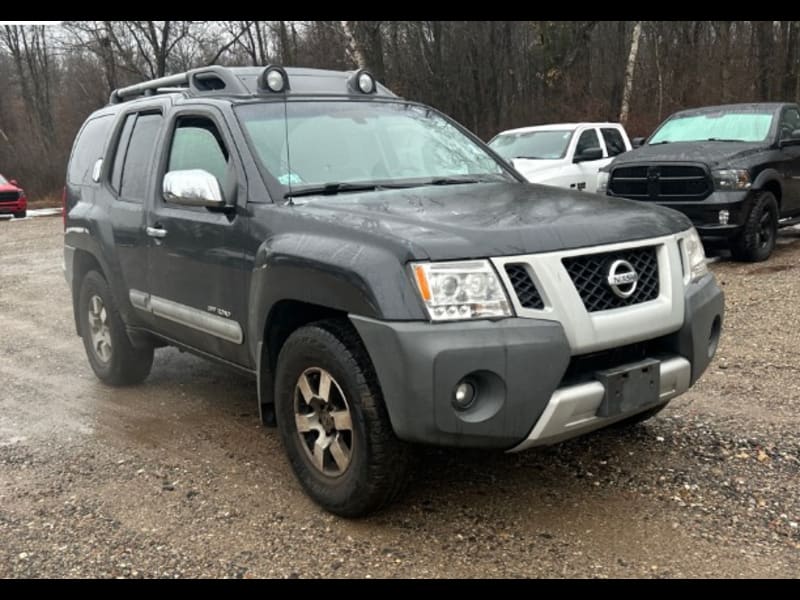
point(176, 478)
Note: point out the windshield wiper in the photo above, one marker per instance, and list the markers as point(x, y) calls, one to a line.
point(659, 143)
point(330, 189)
point(530, 157)
point(460, 179)
point(720, 140)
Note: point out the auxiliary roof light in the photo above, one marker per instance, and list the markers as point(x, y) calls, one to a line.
point(274, 79)
point(364, 82)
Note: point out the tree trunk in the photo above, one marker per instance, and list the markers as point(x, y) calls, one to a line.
point(353, 51)
point(629, 70)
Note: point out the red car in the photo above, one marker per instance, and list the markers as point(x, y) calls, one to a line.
point(12, 199)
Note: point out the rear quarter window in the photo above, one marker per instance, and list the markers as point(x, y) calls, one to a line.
point(89, 146)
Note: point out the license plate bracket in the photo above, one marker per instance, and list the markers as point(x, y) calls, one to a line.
point(629, 387)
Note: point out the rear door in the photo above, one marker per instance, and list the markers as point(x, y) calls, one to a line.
point(197, 273)
point(129, 181)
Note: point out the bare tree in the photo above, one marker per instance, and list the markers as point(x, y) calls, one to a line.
point(629, 71)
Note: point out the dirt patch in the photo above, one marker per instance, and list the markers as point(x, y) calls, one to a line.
point(177, 478)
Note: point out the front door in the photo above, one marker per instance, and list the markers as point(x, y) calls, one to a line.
point(583, 175)
point(790, 163)
point(196, 266)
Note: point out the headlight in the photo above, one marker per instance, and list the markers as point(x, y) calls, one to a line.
point(695, 255)
point(731, 179)
point(602, 182)
point(461, 290)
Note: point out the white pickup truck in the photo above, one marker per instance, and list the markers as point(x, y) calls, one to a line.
point(562, 154)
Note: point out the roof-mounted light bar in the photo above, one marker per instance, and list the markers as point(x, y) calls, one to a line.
point(274, 79)
point(363, 81)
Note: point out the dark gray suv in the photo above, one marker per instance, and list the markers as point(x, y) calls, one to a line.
point(385, 277)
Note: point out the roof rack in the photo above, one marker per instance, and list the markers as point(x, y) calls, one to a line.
point(201, 80)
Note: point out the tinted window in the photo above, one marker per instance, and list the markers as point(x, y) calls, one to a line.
point(789, 122)
point(122, 148)
point(197, 144)
point(587, 140)
point(88, 148)
point(614, 142)
point(137, 160)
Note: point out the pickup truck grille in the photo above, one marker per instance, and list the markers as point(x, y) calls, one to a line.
point(9, 196)
point(523, 285)
point(660, 182)
point(589, 273)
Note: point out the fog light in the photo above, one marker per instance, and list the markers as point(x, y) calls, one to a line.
point(724, 217)
point(464, 395)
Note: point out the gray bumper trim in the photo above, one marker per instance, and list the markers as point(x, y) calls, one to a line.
point(571, 410)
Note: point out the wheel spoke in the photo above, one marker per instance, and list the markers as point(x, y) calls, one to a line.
point(342, 420)
point(340, 453)
point(318, 456)
point(305, 389)
point(306, 423)
point(324, 386)
point(97, 305)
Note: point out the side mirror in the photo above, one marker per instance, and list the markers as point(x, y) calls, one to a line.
point(637, 141)
point(13, 182)
point(790, 138)
point(193, 187)
point(591, 153)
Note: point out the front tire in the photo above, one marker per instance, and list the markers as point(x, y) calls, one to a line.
point(111, 355)
point(757, 239)
point(333, 422)
point(21, 214)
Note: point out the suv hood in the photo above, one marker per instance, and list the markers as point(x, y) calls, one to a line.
point(491, 219)
point(709, 153)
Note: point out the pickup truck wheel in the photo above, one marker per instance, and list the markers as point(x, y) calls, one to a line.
point(21, 214)
point(333, 422)
point(112, 356)
point(757, 239)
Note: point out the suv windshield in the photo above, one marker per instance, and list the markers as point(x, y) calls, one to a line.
point(549, 144)
point(750, 126)
point(325, 144)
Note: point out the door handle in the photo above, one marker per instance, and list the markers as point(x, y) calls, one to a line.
point(156, 232)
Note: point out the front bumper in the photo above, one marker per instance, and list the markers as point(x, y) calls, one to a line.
point(520, 365)
point(17, 206)
point(704, 214)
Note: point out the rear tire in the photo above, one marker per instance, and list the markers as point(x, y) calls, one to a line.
point(21, 215)
point(113, 358)
point(333, 422)
point(757, 238)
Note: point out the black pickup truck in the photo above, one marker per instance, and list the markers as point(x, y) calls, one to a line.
point(386, 278)
point(734, 170)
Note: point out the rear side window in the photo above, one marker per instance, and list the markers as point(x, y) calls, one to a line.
point(122, 149)
point(141, 148)
point(614, 142)
point(88, 148)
